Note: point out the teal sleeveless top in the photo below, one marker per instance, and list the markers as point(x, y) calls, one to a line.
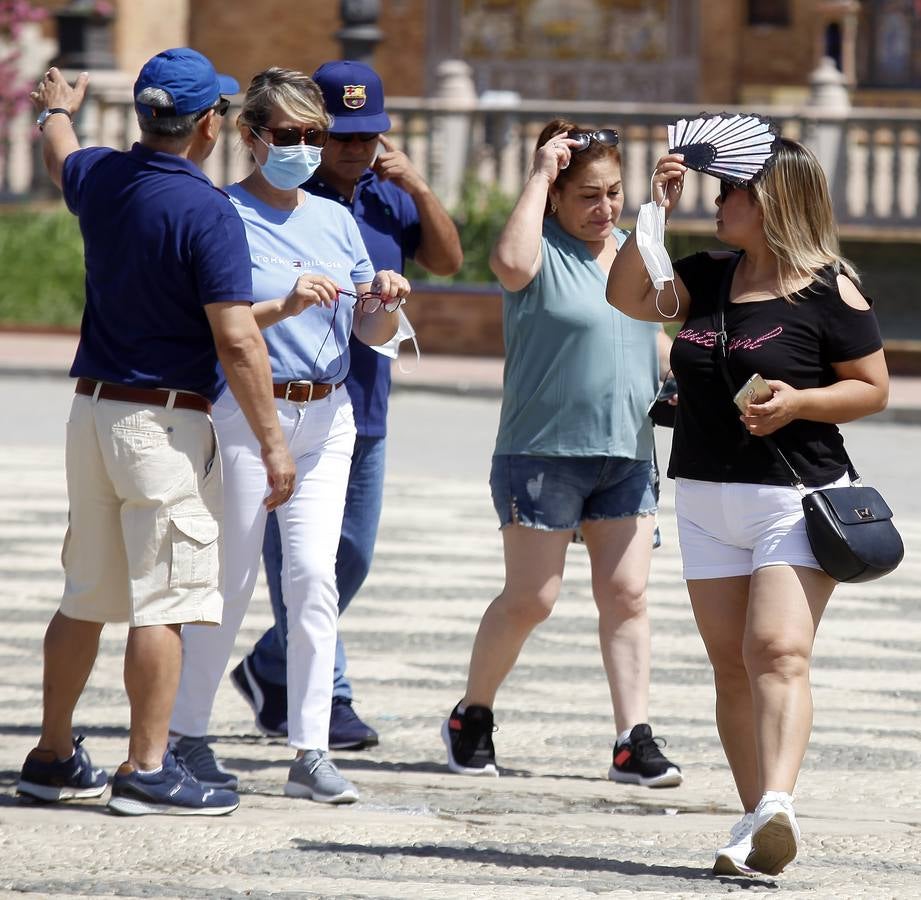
point(579, 375)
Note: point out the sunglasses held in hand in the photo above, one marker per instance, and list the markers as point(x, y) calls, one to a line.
point(372, 301)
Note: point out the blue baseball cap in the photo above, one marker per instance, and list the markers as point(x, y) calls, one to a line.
point(354, 96)
point(188, 77)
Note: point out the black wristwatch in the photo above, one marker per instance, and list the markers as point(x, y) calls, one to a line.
point(43, 116)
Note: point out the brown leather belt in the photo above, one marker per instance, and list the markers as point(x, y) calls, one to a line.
point(146, 396)
point(303, 391)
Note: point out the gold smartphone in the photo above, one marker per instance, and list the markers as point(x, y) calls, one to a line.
point(755, 390)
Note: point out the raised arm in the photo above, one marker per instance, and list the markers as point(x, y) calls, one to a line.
point(59, 139)
point(516, 255)
point(439, 244)
point(630, 288)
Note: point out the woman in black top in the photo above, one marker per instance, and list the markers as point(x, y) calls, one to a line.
point(794, 315)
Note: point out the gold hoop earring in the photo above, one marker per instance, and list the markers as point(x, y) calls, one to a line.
point(552, 208)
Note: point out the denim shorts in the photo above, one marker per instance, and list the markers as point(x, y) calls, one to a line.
point(556, 493)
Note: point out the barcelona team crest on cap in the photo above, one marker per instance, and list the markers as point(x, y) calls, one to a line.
point(354, 96)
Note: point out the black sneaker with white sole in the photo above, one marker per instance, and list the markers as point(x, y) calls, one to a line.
point(468, 738)
point(268, 701)
point(639, 760)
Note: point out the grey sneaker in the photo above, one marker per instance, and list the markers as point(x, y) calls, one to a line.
point(203, 764)
point(315, 777)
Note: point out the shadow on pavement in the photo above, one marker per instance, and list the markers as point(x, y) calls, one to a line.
point(526, 860)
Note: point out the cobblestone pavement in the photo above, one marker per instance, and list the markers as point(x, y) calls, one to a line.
point(551, 826)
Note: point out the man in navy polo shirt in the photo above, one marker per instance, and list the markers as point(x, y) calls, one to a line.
point(399, 218)
point(168, 293)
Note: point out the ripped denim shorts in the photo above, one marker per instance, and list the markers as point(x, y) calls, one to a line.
point(557, 493)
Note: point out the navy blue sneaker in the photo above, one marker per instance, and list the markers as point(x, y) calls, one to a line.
point(45, 777)
point(173, 791)
point(269, 702)
point(346, 730)
point(198, 756)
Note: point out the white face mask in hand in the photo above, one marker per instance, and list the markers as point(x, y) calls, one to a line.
point(650, 241)
point(405, 332)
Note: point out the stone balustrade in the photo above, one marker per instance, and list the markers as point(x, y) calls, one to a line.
point(872, 156)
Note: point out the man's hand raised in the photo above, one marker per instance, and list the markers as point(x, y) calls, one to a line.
point(394, 165)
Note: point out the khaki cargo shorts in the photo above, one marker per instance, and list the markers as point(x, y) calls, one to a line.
point(143, 542)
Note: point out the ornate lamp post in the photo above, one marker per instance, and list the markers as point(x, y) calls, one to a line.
point(359, 34)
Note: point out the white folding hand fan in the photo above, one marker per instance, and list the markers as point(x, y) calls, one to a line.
point(735, 148)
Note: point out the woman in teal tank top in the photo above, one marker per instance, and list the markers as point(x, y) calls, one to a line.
point(574, 449)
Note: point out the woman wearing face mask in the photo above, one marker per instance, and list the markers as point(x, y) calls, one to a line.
point(795, 316)
point(574, 448)
point(308, 263)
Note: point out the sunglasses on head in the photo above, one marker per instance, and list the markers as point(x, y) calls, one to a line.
point(727, 187)
point(290, 137)
point(346, 137)
point(607, 137)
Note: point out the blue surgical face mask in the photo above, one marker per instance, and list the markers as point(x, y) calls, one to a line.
point(287, 167)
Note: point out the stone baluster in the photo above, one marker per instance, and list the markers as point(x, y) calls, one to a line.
point(451, 128)
point(828, 107)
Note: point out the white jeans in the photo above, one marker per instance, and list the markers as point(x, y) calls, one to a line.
point(321, 435)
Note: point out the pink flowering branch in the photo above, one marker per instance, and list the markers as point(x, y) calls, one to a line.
point(14, 90)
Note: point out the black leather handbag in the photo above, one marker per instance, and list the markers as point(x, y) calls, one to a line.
point(850, 528)
point(851, 533)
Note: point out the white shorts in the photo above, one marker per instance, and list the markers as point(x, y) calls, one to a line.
point(734, 529)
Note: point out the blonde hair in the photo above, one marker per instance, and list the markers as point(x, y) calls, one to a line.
point(293, 92)
point(799, 224)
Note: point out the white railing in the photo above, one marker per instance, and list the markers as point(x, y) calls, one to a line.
point(872, 157)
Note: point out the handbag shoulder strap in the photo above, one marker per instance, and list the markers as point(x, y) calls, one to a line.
point(721, 342)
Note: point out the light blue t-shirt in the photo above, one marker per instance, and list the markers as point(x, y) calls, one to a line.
point(579, 374)
point(319, 237)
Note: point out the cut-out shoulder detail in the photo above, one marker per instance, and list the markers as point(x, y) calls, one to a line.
point(720, 254)
point(850, 294)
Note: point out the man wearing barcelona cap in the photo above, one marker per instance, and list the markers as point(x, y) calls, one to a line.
point(399, 219)
point(168, 294)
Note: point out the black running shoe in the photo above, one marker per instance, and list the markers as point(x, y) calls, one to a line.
point(468, 737)
point(269, 702)
point(639, 760)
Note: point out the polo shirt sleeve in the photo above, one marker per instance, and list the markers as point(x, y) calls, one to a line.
point(77, 166)
point(362, 268)
point(222, 266)
point(412, 228)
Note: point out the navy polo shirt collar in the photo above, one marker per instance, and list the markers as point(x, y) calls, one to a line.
point(316, 185)
point(168, 162)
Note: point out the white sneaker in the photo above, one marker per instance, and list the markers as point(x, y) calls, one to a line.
point(775, 834)
point(730, 860)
